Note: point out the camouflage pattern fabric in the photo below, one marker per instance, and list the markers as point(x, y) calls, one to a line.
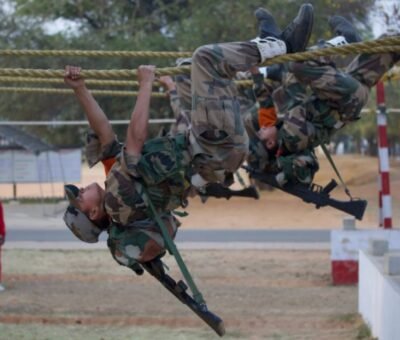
point(161, 169)
point(258, 156)
point(262, 91)
point(181, 103)
point(337, 98)
point(299, 167)
point(128, 244)
point(218, 138)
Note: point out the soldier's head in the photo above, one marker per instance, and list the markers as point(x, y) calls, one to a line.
point(85, 215)
point(269, 136)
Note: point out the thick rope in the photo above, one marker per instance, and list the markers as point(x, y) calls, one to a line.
point(61, 81)
point(372, 46)
point(124, 73)
point(99, 82)
point(384, 45)
point(390, 44)
point(80, 53)
point(69, 91)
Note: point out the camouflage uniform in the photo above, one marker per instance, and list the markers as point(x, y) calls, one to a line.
point(337, 98)
point(295, 167)
point(218, 138)
point(158, 174)
point(181, 103)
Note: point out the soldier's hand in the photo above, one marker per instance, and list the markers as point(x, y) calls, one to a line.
point(146, 74)
point(167, 82)
point(73, 78)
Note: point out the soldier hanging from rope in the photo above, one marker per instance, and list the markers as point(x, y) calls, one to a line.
point(285, 146)
point(211, 151)
point(146, 180)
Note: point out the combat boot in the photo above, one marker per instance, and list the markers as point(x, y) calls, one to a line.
point(297, 34)
point(344, 30)
point(268, 42)
point(274, 72)
point(267, 26)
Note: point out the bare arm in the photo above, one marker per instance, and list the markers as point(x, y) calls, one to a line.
point(98, 121)
point(138, 125)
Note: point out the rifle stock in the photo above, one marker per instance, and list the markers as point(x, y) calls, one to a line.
point(178, 289)
point(219, 191)
point(314, 194)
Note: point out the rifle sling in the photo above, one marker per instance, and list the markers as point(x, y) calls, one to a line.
point(328, 156)
point(197, 296)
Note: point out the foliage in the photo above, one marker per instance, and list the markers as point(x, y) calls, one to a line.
point(141, 25)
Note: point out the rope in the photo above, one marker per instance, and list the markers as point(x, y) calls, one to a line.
point(124, 73)
point(61, 81)
point(80, 53)
point(79, 122)
point(389, 44)
point(100, 82)
point(69, 91)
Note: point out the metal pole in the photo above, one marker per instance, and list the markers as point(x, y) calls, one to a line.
point(385, 199)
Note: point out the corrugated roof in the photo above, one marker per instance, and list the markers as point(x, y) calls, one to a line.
point(15, 137)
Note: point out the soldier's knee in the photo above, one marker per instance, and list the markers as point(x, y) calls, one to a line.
point(201, 53)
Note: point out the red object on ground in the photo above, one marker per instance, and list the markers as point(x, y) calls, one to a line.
point(2, 231)
point(344, 272)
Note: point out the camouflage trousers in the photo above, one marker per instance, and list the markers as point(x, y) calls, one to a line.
point(337, 97)
point(218, 138)
point(181, 104)
point(344, 92)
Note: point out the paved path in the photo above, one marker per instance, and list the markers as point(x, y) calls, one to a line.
point(31, 227)
point(257, 236)
point(186, 239)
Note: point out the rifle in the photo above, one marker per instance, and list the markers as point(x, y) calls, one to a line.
point(219, 191)
point(178, 289)
point(314, 194)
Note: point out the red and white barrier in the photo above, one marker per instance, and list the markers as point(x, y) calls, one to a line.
point(345, 247)
point(385, 199)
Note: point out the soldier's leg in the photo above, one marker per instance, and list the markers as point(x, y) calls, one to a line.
point(218, 136)
point(369, 68)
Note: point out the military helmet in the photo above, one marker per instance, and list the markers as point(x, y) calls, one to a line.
point(80, 225)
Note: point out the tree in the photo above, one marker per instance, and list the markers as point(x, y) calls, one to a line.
point(133, 25)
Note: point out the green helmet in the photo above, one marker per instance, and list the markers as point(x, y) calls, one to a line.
point(81, 226)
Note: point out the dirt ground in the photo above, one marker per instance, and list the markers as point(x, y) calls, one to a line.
point(275, 209)
point(261, 294)
point(258, 294)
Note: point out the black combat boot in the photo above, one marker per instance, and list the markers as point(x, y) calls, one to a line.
point(274, 72)
point(298, 32)
point(342, 27)
point(267, 26)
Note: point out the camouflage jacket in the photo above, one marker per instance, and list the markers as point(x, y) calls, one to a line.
point(160, 174)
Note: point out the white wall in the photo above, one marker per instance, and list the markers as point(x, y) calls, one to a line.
point(378, 298)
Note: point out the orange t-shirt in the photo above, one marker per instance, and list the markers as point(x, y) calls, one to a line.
point(108, 163)
point(266, 116)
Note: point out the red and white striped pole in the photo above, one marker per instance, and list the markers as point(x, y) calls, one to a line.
point(385, 199)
